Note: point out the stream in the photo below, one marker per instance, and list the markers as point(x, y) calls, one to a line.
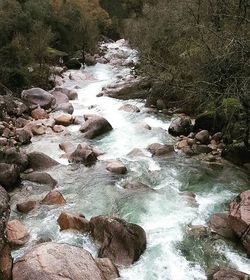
point(174, 250)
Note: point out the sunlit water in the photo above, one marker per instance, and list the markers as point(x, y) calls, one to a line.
point(172, 252)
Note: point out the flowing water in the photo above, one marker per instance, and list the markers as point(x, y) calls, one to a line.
point(174, 251)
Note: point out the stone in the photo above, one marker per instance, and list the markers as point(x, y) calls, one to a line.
point(157, 149)
point(108, 269)
point(38, 129)
point(116, 167)
point(229, 274)
point(129, 108)
point(27, 206)
point(21, 122)
point(58, 128)
point(202, 137)
point(53, 197)
point(83, 154)
point(220, 224)
point(136, 186)
point(73, 222)
point(39, 114)
point(64, 119)
point(17, 157)
point(40, 178)
point(23, 135)
point(181, 144)
point(9, 176)
point(39, 97)
point(135, 153)
point(121, 242)
point(40, 161)
point(52, 261)
point(95, 126)
point(65, 108)
point(16, 232)
point(180, 126)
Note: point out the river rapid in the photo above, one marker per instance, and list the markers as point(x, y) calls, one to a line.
point(175, 251)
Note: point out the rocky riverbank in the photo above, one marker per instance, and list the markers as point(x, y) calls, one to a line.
point(28, 176)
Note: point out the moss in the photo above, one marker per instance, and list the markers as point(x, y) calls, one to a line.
point(232, 107)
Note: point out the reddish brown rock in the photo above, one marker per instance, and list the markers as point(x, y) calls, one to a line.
point(5, 263)
point(108, 269)
point(229, 274)
point(58, 128)
point(121, 242)
point(51, 261)
point(39, 114)
point(26, 207)
point(181, 144)
point(64, 119)
point(53, 197)
point(157, 149)
point(117, 167)
point(75, 222)
point(17, 233)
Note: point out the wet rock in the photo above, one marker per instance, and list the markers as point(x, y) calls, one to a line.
point(136, 186)
point(16, 232)
point(9, 176)
point(95, 126)
point(220, 224)
point(108, 269)
point(129, 108)
point(229, 274)
point(157, 149)
point(60, 97)
point(67, 147)
point(75, 222)
point(64, 119)
point(52, 261)
point(40, 178)
point(40, 161)
point(5, 256)
point(117, 167)
point(181, 144)
point(202, 137)
point(27, 206)
point(135, 153)
point(83, 154)
point(90, 60)
point(53, 197)
point(71, 94)
point(23, 135)
point(180, 126)
point(38, 96)
point(39, 114)
point(58, 128)
point(119, 241)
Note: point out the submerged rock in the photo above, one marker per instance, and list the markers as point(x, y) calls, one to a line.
point(157, 149)
point(120, 241)
point(95, 126)
point(129, 108)
point(117, 167)
point(136, 186)
point(51, 261)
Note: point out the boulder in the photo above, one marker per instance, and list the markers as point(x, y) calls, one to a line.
point(229, 274)
point(38, 129)
point(16, 232)
point(75, 222)
point(83, 154)
point(27, 206)
point(58, 128)
point(39, 114)
point(53, 197)
point(60, 97)
point(40, 178)
point(129, 108)
point(95, 126)
point(5, 255)
point(121, 242)
point(38, 96)
point(90, 60)
point(40, 161)
point(23, 135)
point(157, 149)
point(220, 224)
point(202, 137)
point(180, 126)
point(64, 119)
point(52, 261)
point(9, 176)
point(71, 94)
point(108, 269)
point(117, 167)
